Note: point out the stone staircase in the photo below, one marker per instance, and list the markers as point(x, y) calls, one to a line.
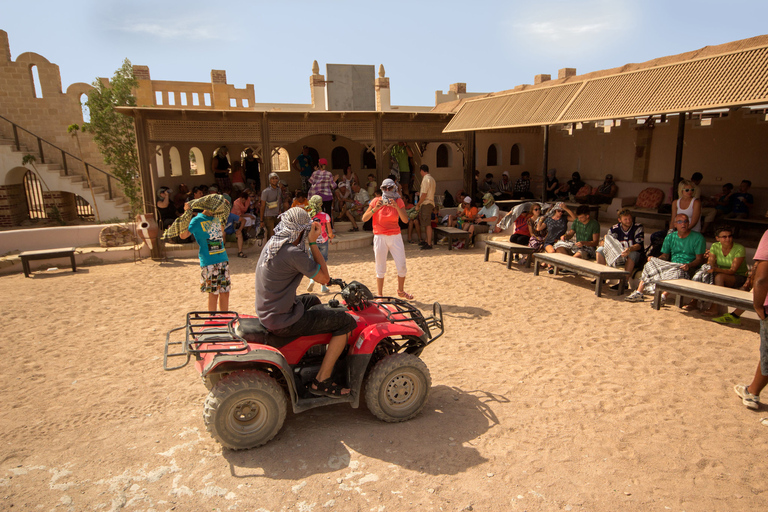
point(74, 182)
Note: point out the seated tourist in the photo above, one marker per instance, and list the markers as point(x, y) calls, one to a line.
point(521, 233)
point(343, 199)
point(734, 317)
point(166, 208)
point(523, 187)
point(556, 222)
point(486, 218)
point(552, 184)
point(602, 194)
point(504, 186)
point(726, 266)
point(358, 206)
point(741, 202)
point(300, 199)
point(569, 189)
point(682, 252)
point(467, 213)
point(587, 235)
point(623, 244)
point(241, 208)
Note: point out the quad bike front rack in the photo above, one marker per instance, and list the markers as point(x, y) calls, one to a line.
point(205, 332)
point(402, 311)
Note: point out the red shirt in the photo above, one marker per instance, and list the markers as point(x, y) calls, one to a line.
point(385, 221)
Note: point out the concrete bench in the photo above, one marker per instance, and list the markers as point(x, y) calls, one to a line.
point(508, 248)
point(704, 292)
point(47, 254)
point(580, 266)
point(452, 233)
point(647, 213)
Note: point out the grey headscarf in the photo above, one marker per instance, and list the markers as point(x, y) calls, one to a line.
point(294, 223)
point(390, 195)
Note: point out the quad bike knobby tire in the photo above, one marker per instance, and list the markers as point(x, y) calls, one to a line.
point(397, 387)
point(244, 410)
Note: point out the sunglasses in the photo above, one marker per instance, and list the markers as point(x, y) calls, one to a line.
point(536, 209)
point(725, 236)
point(681, 222)
point(688, 190)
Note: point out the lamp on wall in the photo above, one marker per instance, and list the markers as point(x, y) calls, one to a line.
point(333, 138)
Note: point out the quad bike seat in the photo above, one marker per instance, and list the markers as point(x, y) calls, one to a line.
point(252, 331)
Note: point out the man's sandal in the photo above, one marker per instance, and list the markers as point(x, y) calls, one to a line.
point(326, 388)
point(241, 254)
point(404, 295)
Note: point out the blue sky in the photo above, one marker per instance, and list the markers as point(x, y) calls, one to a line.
point(424, 45)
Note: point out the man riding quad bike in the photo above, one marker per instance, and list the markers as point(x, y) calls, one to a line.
point(315, 354)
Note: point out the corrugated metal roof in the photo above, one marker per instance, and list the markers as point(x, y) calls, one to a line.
point(727, 80)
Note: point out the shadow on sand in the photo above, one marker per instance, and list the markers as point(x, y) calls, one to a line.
point(437, 442)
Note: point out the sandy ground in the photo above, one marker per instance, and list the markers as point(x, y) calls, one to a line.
point(544, 397)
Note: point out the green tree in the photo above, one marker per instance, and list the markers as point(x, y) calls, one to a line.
point(114, 133)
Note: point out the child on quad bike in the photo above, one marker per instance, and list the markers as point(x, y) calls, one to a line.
point(290, 254)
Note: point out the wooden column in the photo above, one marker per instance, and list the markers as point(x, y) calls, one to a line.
point(545, 163)
point(379, 149)
point(145, 174)
point(469, 159)
point(678, 153)
point(266, 149)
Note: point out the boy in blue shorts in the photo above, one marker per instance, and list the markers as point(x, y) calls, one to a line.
point(214, 272)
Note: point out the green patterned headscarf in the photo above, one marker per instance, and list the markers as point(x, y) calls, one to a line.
point(315, 205)
point(214, 202)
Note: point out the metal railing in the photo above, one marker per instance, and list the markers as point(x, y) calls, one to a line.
point(64, 154)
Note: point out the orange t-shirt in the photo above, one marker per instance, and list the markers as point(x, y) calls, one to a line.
point(385, 221)
point(470, 213)
point(302, 204)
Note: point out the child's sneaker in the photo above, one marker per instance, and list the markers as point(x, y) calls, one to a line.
point(727, 319)
point(324, 289)
point(311, 286)
point(635, 296)
point(747, 398)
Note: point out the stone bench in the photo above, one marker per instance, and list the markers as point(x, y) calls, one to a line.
point(702, 291)
point(509, 248)
point(47, 254)
point(580, 266)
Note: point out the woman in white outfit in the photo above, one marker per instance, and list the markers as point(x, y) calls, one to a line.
point(688, 205)
point(385, 212)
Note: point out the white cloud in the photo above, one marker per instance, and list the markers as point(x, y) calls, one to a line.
point(177, 29)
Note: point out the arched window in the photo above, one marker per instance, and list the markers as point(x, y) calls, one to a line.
point(443, 156)
point(339, 158)
point(159, 162)
point(514, 155)
point(493, 156)
point(196, 162)
point(37, 88)
point(369, 159)
point(84, 106)
point(175, 161)
point(280, 160)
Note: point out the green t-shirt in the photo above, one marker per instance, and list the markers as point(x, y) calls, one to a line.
point(725, 262)
point(684, 250)
point(400, 154)
point(584, 232)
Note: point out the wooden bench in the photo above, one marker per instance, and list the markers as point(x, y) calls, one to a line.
point(704, 292)
point(47, 254)
point(580, 266)
point(508, 248)
point(452, 233)
point(651, 214)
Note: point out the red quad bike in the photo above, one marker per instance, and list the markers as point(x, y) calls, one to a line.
point(252, 374)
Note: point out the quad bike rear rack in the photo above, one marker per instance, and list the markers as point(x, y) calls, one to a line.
point(214, 330)
point(402, 311)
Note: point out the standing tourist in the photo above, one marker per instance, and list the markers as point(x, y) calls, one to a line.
point(385, 212)
point(252, 165)
point(750, 395)
point(220, 166)
point(304, 165)
point(426, 205)
point(322, 185)
point(271, 204)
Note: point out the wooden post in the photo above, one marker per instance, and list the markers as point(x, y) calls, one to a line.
point(469, 160)
point(678, 153)
point(266, 149)
point(145, 174)
point(545, 163)
point(379, 148)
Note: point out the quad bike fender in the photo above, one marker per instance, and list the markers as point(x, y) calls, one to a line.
point(357, 364)
point(259, 356)
point(371, 336)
